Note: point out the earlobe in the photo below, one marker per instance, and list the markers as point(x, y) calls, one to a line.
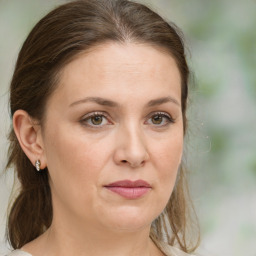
point(29, 136)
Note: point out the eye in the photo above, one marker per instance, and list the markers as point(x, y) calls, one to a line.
point(160, 119)
point(95, 119)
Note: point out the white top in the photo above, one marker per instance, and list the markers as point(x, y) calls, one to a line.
point(167, 249)
point(19, 253)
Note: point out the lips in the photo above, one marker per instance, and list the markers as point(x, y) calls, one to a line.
point(129, 189)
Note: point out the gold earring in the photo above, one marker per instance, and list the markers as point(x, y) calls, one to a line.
point(38, 164)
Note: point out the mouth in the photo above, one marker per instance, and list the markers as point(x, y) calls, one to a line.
point(129, 189)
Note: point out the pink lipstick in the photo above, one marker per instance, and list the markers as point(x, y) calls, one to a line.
point(129, 189)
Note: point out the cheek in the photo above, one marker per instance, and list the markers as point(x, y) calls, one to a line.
point(166, 157)
point(73, 163)
point(168, 152)
point(72, 151)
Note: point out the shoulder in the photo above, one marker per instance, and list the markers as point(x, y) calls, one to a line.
point(172, 251)
point(18, 253)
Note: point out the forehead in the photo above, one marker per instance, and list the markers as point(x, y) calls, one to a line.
point(120, 70)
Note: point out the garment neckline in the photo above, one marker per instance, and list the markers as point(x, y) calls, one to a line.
point(20, 250)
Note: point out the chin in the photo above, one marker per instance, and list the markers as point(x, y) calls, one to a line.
point(129, 219)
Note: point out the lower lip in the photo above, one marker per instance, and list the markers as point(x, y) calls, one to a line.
point(130, 193)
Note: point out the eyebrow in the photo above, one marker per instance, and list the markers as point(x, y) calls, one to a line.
point(163, 100)
point(110, 103)
point(98, 100)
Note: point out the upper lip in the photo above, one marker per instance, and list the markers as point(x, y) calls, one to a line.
point(129, 184)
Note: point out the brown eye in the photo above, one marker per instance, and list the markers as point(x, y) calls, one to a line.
point(96, 120)
point(157, 119)
point(160, 119)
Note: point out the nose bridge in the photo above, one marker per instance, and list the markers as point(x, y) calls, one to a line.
point(134, 136)
point(132, 146)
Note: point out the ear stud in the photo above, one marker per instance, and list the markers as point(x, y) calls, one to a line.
point(38, 164)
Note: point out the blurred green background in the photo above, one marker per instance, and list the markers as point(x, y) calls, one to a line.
point(221, 144)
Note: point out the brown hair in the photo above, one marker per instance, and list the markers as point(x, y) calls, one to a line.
point(55, 40)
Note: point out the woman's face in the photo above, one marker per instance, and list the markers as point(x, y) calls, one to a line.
point(113, 136)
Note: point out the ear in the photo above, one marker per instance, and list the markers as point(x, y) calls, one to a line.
point(29, 136)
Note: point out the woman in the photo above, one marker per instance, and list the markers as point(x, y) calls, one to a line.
point(98, 99)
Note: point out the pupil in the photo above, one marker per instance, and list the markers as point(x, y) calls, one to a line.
point(97, 120)
point(157, 119)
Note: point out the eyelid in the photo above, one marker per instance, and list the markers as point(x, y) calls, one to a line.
point(161, 113)
point(95, 113)
point(92, 114)
point(170, 119)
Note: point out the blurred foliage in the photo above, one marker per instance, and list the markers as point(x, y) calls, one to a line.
point(253, 166)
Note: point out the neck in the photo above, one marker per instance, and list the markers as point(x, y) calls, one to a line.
point(99, 242)
point(75, 239)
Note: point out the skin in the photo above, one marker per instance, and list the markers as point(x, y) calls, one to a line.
point(129, 143)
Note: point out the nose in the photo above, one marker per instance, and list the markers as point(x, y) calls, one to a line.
point(131, 149)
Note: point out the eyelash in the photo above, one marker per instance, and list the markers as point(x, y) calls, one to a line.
point(169, 119)
point(91, 115)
